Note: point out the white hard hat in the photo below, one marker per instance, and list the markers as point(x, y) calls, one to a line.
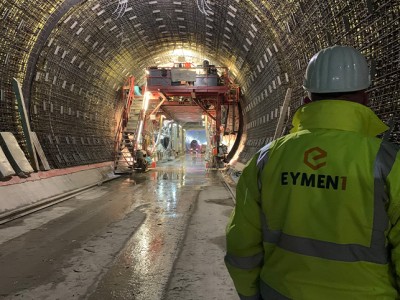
point(337, 69)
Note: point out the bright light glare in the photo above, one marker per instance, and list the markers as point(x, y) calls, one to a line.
point(139, 136)
point(182, 52)
point(146, 100)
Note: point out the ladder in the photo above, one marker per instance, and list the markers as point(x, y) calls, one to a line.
point(134, 117)
point(126, 133)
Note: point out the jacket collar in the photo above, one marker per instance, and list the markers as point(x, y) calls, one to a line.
point(338, 114)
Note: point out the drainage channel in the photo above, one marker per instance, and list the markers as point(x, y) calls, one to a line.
point(225, 180)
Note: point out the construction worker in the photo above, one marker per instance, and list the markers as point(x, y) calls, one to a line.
point(317, 211)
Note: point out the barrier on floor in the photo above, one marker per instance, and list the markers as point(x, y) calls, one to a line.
point(14, 154)
point(6, 170)
point(19, 192)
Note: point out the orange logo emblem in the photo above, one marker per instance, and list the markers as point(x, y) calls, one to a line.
point(313, 157)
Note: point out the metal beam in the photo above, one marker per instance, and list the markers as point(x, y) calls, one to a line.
point(25, 123)
point(187, 90)
point(159, 104)
point(180, 104)
point(218, 119)
point(203, 108)
point(281, 120)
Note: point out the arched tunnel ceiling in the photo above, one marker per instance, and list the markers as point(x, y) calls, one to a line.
point(127, 36)
point(73, 55)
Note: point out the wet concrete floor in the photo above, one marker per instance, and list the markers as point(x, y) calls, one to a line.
point(153, 235)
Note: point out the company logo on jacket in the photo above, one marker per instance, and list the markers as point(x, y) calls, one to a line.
point(315, 158)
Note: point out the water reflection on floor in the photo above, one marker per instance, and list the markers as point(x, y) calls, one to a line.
point(167, 195)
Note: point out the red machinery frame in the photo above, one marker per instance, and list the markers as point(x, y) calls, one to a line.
point(227, 93)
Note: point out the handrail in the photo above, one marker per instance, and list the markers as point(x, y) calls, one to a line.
point(124, 118)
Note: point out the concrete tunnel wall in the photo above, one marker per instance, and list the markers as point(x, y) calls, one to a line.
point(72, 56)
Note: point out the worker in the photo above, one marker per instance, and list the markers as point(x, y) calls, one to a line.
point(148, 159)
point(317, 211)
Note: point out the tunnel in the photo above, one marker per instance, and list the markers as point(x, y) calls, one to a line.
point(66, 67)
point(72, 57)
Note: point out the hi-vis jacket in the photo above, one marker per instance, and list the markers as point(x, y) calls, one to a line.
point(317, 211)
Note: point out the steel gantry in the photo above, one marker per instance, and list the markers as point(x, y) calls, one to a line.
point(185, 93)
point(182, 93)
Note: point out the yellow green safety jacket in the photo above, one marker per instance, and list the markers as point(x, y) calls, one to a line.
point(317, 211)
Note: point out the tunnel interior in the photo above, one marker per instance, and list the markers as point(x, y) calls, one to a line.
point(73, 56)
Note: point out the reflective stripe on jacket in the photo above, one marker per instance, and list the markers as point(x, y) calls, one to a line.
point(317, 211)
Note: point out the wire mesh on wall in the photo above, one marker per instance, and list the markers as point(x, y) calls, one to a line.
point(98, 43)
point(21, 20)
point(302, 28)
point(74, 96)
